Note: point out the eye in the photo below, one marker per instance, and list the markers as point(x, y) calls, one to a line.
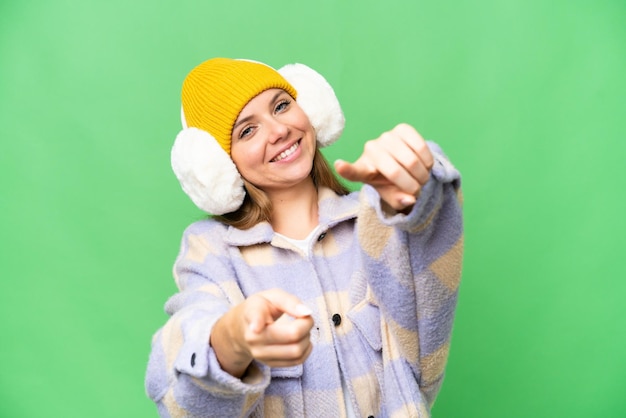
point(282, 106)
point(246, 131)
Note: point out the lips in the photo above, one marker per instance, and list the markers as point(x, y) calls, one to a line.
point(286, 153)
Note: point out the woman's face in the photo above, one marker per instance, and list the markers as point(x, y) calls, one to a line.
point(273, 142)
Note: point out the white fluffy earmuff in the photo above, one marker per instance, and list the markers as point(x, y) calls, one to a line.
point(318, 101)
point(207, 173)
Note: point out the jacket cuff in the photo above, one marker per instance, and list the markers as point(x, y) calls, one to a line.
point(197, 358)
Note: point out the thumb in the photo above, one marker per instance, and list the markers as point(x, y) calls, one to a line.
point(356, 171)
point(256, 322)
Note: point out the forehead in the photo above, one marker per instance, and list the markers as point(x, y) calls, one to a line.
point(263, 99)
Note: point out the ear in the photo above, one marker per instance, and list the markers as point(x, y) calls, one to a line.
point(318, 100)
point(206, 172)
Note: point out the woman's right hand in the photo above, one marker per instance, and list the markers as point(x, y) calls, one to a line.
point(271, 326)
point(397, 164)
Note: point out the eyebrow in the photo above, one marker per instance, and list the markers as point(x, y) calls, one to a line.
point(241, 121)
point(281, 91)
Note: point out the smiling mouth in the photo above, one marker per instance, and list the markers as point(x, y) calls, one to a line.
point(286, 153)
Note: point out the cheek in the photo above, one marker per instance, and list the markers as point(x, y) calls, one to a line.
point(303, 121)
point(245, 157)
point(300, 122)
point(307, 127)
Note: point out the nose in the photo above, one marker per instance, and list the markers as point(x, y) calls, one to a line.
point(277, 130)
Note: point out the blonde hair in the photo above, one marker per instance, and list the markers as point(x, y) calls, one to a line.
point(257, 207)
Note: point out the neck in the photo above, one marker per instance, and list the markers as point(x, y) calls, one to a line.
point(294, 211)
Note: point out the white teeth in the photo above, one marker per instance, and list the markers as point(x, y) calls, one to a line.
point(287, 152)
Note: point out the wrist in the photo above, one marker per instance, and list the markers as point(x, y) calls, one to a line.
point(231, 354)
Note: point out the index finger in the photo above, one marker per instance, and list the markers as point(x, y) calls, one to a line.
point(286, 302)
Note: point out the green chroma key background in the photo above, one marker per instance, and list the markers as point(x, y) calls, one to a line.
point(527, 97)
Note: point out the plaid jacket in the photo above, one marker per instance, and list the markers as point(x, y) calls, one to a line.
point(383, 289)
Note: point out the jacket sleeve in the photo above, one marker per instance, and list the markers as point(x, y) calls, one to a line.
point(413, 265)
point(183, 376)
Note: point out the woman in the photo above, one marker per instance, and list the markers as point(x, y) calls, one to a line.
point(298, 298)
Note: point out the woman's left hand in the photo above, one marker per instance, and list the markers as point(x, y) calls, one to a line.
point(397, 164)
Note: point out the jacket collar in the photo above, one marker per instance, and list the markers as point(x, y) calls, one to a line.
point(332, 210)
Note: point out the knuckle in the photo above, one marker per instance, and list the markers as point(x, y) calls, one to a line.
point(403, 126)
point(404, 129)
point(388, 137)
point(249, 338)
point(292, 335)
point(294, 352)
point(370, 146)
point(394, 174)
point(413, 165)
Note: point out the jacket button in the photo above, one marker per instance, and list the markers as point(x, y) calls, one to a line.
point(193, 359)
point(336, 319)
point(321, 237)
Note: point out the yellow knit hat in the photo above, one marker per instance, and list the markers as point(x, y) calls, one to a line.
point(215, 92)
